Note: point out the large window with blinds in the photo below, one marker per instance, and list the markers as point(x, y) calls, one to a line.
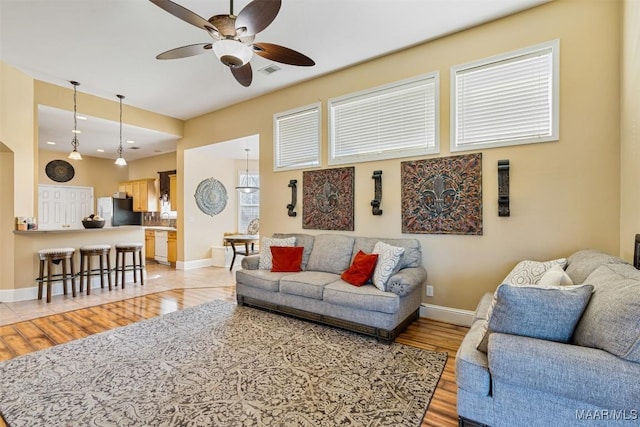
point(505, 100)
point(296, 135)
point(387, 122)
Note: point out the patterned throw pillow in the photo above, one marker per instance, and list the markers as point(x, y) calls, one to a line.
point(388, 259)
point(266, 260)
point(548, 313)
point(529, 272)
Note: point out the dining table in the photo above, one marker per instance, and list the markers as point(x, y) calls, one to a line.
point(249, 241)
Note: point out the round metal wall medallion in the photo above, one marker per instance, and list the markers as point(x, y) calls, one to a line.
point(211, 196)
point(60, 170)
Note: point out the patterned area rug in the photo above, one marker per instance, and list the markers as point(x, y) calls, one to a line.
point(220, 365)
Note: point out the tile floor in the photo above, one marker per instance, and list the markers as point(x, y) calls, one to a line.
point(158, 278)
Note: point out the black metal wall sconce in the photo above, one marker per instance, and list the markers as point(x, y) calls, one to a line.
point(375, 203)
point(503, 188)
point(293, 184)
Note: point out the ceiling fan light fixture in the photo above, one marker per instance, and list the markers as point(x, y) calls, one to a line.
point(232, 53)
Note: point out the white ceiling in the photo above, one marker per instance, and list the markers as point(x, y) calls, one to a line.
point(110, 48)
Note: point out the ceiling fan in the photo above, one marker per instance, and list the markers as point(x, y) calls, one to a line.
point(233, 37)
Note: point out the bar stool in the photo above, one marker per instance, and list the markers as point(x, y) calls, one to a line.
point(121, 266)
point(55, 256)
point(86, 252)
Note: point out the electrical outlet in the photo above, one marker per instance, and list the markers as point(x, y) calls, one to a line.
point(429, 290)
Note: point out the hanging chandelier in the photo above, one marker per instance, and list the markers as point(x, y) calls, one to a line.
point(120, 161)
point(247, 188)
point(75, 154)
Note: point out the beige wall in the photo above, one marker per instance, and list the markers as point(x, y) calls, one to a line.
point(17, 160)
point(202, 231)
point(564, 195)
point(630, 128)
point(150, 166)
point(101, 174)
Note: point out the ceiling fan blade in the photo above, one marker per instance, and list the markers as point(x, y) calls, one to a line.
point(282, 54)
point(185, 51)
point(257, 15)
point(243, 74)
point(185, 14)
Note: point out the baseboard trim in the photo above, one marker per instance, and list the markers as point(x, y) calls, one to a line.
point(192, 265)
point(441, 313)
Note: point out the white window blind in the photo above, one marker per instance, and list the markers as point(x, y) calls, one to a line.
point(297, 138)
point(506, 100)
point(397, 120)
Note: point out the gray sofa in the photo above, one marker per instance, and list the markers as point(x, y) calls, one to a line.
point(594, 379)
point(318, 293)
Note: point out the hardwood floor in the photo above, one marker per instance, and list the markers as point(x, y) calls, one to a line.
point(29, 326)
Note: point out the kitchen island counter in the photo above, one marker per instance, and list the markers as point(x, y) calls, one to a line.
point(79, 230)
point(29, 242)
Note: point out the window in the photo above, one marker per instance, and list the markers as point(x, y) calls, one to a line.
point(506, 100)
point(297, 138)
point(387, 122)
point(248, 203)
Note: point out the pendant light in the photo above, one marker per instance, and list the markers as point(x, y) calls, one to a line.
point(75, 155)
point(247, 188)
point(120, 161)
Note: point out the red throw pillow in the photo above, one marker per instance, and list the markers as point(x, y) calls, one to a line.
point(286, 258)
point(361, 269)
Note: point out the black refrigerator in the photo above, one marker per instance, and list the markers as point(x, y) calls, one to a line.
point(123, 213)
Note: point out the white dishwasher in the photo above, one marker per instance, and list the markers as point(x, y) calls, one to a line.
point(161, 246)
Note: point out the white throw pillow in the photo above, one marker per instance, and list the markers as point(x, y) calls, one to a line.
point(555, 276)
point(266, 259)
point(529, 272)
point(388, 259)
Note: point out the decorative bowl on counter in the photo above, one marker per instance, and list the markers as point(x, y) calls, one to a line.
point(93, 223)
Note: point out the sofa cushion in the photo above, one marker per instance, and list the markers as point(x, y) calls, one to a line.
point(530, 272)
point(309, 284)
point(549, 313)
point(388, 262)
point(331, 253)
point(265, 250)
point(366, 297)
point(286, 258)
point(304, 240)
point(261, 279)
point(361, 269)
point(412, 256)
point(582, 263)
point(611, 321)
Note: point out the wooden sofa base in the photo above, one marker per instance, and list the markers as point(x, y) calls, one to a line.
point(383, 335)
point(465, 422)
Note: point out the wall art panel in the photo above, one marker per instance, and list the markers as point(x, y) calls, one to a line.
point(442, 195)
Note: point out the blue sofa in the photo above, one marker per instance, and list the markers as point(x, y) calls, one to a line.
point(592, 380)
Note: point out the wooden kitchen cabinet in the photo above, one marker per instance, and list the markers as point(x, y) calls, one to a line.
point(149, 244)
point(143, 191)
point(173, 192)
point(172, 247)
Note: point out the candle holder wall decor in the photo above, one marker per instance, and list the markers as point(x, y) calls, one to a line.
point(293, 184)
point(503, 188)
point(377, 193)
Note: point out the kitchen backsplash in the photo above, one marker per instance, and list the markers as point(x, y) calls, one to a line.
point(158, 219)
